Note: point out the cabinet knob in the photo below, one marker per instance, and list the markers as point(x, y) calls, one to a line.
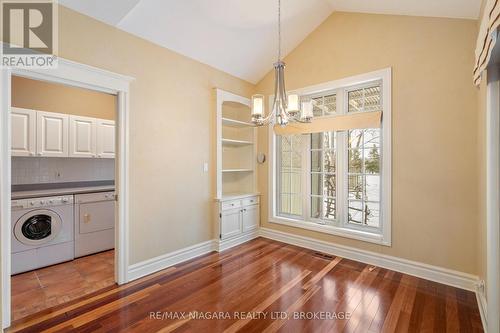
point(32, 154)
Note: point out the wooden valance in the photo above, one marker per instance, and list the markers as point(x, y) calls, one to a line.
point(334, 123)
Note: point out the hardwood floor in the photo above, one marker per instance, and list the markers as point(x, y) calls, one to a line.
point(284, 288)
point(46, 287)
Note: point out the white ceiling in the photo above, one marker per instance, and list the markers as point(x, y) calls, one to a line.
point(240, 36)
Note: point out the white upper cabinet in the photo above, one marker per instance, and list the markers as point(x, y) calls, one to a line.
point(105, 138)
point(23, 132)
point(52, 134)
point(82, 136)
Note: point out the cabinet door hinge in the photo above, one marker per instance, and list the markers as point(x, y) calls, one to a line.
point(220, 215)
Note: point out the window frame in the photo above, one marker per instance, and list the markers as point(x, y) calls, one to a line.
point(381, 235)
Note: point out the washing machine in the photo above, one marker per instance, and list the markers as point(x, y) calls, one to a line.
point(42, 232)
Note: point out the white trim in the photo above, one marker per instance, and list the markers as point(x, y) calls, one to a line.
point(330, 229)
point(382, 74)
point(5, 192)
point(493, 199)
point(84, 76)
point(156, 264)
point(418, 269)
point(122, 188)
point(384, 237)
point(222, 245)
point(482, 305)
point(79, 75)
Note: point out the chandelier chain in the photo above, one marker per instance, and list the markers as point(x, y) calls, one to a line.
point(279, 30)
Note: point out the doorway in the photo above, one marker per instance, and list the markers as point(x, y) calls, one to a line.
point(71, 74)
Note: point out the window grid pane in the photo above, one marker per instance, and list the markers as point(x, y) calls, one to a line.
point(290, 175)
point(363, 177)
point(323, 186)
point(366, 99)
point(325, 105)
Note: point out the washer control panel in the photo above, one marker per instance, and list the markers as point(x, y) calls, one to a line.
point(42, 202)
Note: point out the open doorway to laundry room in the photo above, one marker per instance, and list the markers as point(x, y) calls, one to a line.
point(55, 208)
point(63, 193)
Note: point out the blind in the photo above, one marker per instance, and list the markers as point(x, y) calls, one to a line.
point(359, 120)
point(486, 38)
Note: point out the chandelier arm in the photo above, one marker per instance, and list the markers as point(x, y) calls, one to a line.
point(283, 97)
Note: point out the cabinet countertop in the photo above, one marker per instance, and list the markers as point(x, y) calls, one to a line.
point(72, 188)
point(235, 196)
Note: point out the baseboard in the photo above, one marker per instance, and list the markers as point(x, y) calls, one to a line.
point(229, 243)
point(153, 265)
point(481, 302)
point(418, 269)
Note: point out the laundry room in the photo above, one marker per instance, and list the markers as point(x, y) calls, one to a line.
point(63, 194)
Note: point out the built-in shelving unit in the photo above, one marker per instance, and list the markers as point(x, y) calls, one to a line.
point(237, 212)
point(236, 145)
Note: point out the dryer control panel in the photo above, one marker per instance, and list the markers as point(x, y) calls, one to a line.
point(41, 202)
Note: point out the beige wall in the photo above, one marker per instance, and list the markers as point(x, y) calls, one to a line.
point(171, 132)
point(434, 128)
point(51, 97)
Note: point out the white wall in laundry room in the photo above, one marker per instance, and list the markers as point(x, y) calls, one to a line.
point(37, 170)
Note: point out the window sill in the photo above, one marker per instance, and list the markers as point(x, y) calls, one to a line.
point(333, 230)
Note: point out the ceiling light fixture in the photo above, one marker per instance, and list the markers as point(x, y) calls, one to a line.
point(285, 108)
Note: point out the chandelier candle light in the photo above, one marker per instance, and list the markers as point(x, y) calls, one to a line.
point(285, 108)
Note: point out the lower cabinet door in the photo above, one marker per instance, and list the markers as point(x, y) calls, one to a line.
point(250, 218)
point(230, 223)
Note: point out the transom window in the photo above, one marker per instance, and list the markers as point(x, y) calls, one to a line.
point(334, 181)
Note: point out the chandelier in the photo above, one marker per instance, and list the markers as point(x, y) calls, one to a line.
point(286, 108)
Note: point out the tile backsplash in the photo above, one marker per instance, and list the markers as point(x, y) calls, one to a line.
point(37, 170)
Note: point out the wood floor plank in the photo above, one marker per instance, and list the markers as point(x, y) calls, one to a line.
point(268, 301)
point(278, 323)
point(265, 277)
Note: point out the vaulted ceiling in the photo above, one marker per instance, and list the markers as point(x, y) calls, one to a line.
point(240, 36)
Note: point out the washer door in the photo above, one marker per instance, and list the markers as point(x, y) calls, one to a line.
point(38, 227)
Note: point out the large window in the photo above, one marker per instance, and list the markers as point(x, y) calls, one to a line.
point(334, 181)
point(290, 170)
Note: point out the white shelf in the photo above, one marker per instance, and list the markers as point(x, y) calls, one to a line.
point(231, 142)
point(237, 170)
point(235, 123)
